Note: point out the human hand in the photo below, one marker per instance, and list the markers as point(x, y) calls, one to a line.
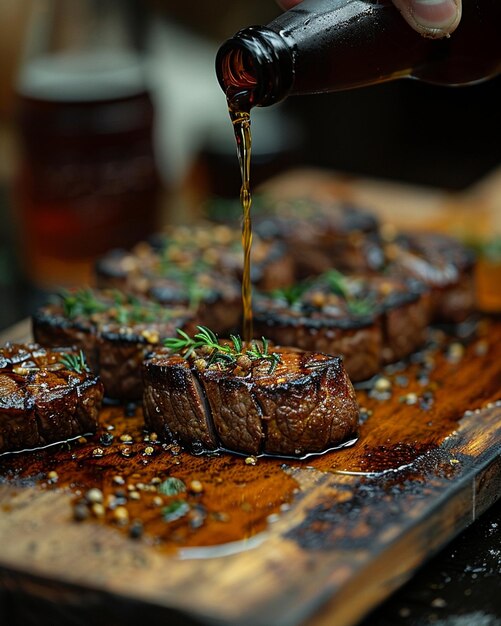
point(431, 18)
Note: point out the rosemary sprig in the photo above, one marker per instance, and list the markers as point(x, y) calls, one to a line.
point(81, 302)
point(188, 279)
point(124, 308)
point(226, 353)
point(338, 285)
point(256, 352)
point(141, 313)
point(74, 362)
point(293, 293)
point(362, 307)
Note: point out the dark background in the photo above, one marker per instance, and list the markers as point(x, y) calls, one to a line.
point(405, 130)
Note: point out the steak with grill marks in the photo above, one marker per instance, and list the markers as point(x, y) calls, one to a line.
point(42, 401)
point(114, 331)
point(441, 263)
point(306, 405)
point(369, 320)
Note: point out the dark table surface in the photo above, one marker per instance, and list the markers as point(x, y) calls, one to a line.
point(460, 586)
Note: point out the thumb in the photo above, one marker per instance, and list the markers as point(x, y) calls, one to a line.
point(431, 18)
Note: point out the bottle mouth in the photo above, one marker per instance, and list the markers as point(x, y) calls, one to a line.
point(254, 68)
point(239, 77)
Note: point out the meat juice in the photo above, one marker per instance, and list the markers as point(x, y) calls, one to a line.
point(87, 180)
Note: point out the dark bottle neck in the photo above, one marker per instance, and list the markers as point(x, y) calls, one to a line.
point(255, 68)
point(328, 45)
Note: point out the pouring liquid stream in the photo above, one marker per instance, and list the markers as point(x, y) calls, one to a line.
point(241, 127)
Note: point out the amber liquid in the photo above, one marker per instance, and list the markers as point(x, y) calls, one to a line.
point(86, 167)
point(241, 127)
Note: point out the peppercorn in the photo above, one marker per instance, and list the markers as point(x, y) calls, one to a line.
point(80, 512)
point(106, 439)
point(136, 529)
point(196, 486)
point(121, 515)
point(94, 495)
point(244, 362)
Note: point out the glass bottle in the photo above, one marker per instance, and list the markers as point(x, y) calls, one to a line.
point(87, 179)
point(329, 45)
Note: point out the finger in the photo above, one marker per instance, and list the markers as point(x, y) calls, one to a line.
point(431, 18)
point(288, 4)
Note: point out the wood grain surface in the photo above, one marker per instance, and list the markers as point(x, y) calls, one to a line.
point(283, 542)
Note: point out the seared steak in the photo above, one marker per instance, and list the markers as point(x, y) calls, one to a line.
point(321, 236)
point(441, 263)
point(214, 299)
point(358, 339)
point(370, 321)
point(114, 330)
point(46, 396)
point(199, 267)
point(306, 404)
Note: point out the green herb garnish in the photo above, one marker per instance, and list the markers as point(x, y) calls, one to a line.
point(293, 293)
point(336, 283)
point(75, 362)
point(171, 487)
point(175, 510)
point(361, 307)
point(227, 353)
point(81, 302)
point(187, 278)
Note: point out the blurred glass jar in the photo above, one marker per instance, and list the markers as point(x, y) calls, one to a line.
point(87, 180)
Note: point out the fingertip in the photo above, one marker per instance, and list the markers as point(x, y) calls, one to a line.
point(431, 18)
point(288, 4)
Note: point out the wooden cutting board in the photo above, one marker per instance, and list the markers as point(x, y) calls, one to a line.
point(282, 542)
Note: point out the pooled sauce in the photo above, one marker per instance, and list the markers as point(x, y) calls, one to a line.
point(153, 490)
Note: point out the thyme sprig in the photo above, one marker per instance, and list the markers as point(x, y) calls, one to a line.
point(75, 362)
point(223, 353)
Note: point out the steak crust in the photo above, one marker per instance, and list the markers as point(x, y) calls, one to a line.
point(369, 320)
point(322, 235)
point(200, 267)
point(41, 400)
point(306, 405)
point(441, 263)
point(114, 338)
